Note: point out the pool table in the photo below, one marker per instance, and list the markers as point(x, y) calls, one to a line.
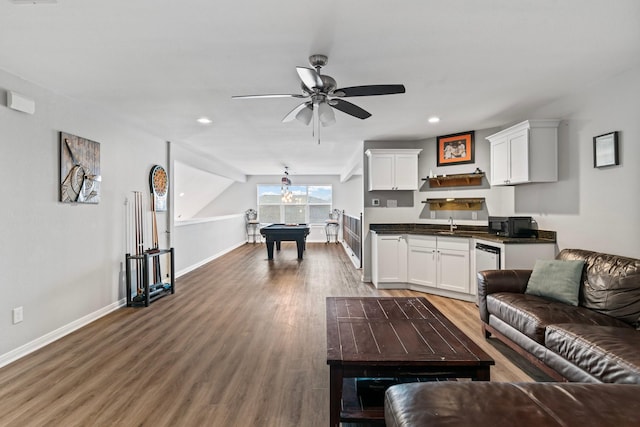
point(276, 233)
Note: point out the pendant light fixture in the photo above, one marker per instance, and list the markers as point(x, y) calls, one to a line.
point(285, 182)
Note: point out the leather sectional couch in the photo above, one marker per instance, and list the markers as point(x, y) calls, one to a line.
point(492, 404)
point(596, 341)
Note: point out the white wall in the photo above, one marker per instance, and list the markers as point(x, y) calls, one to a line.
point(593, 208)
point(63, 262)
point(194, 189)
point(201, 241)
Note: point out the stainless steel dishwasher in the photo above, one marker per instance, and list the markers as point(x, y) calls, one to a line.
point(487, 257)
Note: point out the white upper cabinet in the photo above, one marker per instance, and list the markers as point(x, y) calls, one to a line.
point(393, 169)
point(526, 152)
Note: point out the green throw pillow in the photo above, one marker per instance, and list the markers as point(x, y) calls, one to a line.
point(557, 280)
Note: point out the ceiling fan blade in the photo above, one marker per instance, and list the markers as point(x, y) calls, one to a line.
point(284, 95)
point(369, 90)
point(310, 77)
point(349, 108)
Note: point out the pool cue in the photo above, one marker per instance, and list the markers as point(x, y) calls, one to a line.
point(139, 244)
point(157, 275)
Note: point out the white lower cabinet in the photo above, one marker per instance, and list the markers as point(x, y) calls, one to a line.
point(453, 265)
point(434, 264)
point(421, 262)
point(390, 254)
point(448, 268)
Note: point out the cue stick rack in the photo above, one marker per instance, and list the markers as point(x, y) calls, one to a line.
point(144, 281)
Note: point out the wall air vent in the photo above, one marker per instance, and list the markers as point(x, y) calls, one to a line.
point(33, 1)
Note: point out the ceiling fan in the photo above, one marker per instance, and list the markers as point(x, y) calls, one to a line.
point(322, 95)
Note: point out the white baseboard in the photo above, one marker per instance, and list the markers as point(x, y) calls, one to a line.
point(209, 259)
point(385, 285)
point(52, 336)
point(354, 259)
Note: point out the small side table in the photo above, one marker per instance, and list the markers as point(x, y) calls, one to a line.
point(331, 229)
point(253, 230)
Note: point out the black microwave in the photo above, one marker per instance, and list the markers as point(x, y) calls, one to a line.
point(511, 226)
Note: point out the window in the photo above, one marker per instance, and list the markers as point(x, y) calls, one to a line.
point(309, 204)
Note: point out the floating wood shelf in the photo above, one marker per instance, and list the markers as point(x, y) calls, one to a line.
point(466, 204)
point(456, 180)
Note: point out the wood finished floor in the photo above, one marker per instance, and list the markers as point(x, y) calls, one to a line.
point(241, 343)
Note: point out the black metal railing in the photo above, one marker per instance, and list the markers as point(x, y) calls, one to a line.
point(352, 235)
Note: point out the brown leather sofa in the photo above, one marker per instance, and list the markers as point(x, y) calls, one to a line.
point(479, 404)
point(596, 341)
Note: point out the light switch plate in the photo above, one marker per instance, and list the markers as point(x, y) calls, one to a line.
point(17, 315)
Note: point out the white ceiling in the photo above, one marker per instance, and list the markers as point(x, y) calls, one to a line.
point(476, 64)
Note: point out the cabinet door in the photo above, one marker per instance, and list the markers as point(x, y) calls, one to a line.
point(519, 156)
point(500, 162)
point(453, 270)
point(392, 259)
point(406, 172)
point(381, 172)
point(422, 265)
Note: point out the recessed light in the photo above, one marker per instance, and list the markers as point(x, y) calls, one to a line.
point(181, 194)
point(204, 120)
point(434, 119)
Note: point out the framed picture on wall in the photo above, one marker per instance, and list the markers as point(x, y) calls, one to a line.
point(456, 149)
point(79, 169)
point(605, 150)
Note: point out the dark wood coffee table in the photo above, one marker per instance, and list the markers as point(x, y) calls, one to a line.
point(384, 337)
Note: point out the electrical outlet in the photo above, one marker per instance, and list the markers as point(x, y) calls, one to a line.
point(474, 215)
point(17, 315)
point(433, 214)
point(375, 202)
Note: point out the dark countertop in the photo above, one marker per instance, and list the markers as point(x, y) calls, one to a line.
point(468, 231)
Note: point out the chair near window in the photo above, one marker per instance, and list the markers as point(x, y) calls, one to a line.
point(252, 224)
point(332, 225)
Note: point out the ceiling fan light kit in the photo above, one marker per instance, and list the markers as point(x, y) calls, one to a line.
point(326, 114)
point(323, 96)
point(305, 114)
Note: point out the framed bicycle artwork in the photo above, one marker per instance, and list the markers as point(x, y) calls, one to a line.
point(79, 169)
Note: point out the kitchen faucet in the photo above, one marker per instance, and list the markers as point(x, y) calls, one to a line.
point(452, 226)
